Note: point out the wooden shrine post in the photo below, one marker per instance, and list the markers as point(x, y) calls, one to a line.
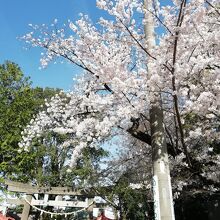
point(26, 209)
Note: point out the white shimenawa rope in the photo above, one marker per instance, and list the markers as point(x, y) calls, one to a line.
point(58, 213)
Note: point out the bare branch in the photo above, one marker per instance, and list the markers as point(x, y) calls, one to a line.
point(175, 98)
point(155, 15)
point(137, 41)
point(213, 7)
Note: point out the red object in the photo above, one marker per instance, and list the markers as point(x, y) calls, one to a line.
point(2, 217)
point(102, 217)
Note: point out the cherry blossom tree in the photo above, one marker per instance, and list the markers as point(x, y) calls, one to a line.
point(114, 94)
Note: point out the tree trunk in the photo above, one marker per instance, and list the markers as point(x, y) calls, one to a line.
point(162, 191)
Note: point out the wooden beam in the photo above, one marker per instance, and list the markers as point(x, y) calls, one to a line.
point(28, 189)
point(16, 201)
point(76, 204)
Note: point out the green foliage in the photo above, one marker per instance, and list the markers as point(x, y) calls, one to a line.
point(45, 163)
point(18, 104)
point(132, 202)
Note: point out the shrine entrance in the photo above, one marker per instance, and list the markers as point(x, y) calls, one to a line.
point(85, 203)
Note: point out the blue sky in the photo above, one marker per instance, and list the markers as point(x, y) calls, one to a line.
point(15, 15)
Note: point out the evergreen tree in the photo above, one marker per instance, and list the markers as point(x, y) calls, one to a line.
point(19, 102)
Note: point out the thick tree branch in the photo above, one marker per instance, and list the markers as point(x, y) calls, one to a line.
point(175, 98)
point(146, 138)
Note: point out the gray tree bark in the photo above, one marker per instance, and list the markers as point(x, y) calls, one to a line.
point(162, 191)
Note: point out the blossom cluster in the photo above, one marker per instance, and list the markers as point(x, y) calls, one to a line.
point(116, 90)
